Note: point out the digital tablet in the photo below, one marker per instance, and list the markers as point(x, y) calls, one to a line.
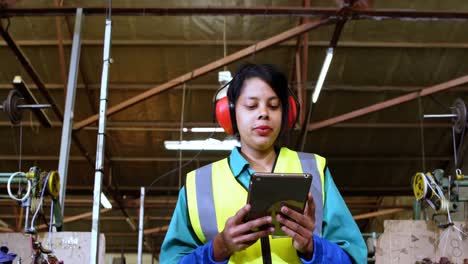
point(269, 191)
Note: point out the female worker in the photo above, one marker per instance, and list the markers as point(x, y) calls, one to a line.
point(208, 223)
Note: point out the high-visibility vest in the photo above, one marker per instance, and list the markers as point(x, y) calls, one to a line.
point(214, 195)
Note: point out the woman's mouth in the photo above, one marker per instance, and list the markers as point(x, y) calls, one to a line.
point(263, 130)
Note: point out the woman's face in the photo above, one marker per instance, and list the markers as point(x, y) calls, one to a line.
point(258, 115)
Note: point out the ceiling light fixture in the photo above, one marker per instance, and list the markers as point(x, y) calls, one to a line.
point(323, 74)
point(206, 129)
point(208, 144)
point(105, 202)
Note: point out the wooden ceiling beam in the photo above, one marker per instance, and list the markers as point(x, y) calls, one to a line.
point(154, 230)
point(206, 69)
point(379, 213)
point(389, 103)
point(74, 218)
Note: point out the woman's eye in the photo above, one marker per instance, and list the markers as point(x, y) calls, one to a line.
point(274, 106)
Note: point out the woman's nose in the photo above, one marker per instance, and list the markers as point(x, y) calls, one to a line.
point(262, 112)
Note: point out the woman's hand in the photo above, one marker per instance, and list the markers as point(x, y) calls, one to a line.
point(300, 227)
point(238, 235)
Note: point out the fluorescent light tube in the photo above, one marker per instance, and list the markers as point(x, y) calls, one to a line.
point(207, 129)
point(208, 144)
point(105, 202)
point(323, 74)
point(131, 224)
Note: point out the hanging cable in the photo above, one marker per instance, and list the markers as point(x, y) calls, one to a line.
point(457, 152)
point(20, 152)
point(421, 126)
point(20, 146)
point(224, 42)
point(182, 111)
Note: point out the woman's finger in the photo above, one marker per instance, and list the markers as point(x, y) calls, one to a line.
point(294, 226)
point(299, 218)
point(251, 225)
point(310, 207)
point(252, 237)
point(240, 215)
point(297, 238)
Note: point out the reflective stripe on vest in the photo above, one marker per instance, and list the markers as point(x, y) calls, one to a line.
point(214, 195)
point(309, 164)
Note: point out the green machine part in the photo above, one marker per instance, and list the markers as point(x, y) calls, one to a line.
point(58, 215)
point(4, 176)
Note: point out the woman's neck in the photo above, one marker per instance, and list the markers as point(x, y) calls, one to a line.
point(260, 161)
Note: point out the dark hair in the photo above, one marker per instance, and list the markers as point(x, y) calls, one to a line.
point(269, 74)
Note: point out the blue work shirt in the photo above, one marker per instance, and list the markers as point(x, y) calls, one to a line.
point(341, 240)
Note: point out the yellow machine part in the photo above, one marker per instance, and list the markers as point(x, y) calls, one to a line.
point(419, 186)
point(30, 175)
point(53, 184)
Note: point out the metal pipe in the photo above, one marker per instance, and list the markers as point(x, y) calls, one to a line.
point(376, 14)
point(29, 98)
point(140, 225)
point(26, 217)
point(65, 144)
point(4, 177)
point(416, 210)
point(463, 183)
point(93, 257)
point(33, 106)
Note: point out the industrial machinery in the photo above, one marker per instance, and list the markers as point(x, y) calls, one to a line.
point(32, 188)
point(440, 192)
point(445, 192)
point(35, 185)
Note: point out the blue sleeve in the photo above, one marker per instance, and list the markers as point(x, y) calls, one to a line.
point(339, 227)
point(202, 254)
point(181, 244)
point(327, 252)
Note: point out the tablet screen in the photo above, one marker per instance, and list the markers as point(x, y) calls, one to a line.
point(269, 191)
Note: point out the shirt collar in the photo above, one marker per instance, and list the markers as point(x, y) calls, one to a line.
point(238, 163)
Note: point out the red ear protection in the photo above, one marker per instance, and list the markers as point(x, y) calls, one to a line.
point(292, 111)
point(223, 110)
point(223, 115)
